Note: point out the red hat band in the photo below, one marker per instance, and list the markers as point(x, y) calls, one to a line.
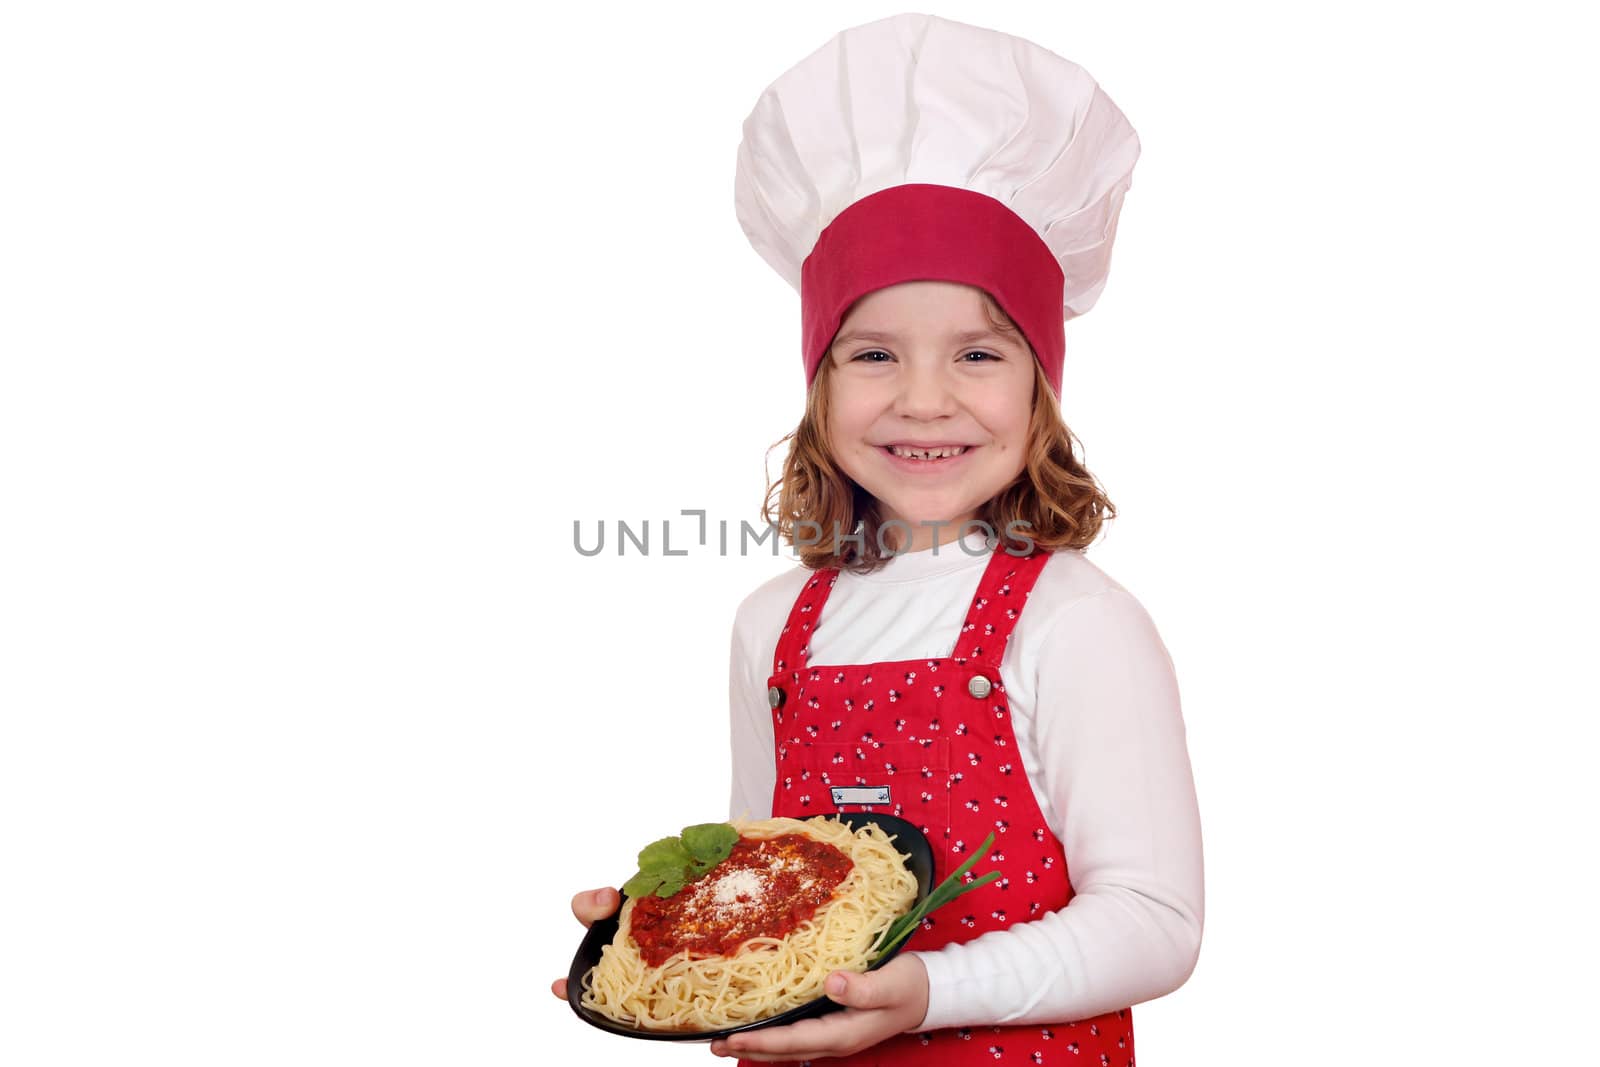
point(922, 232)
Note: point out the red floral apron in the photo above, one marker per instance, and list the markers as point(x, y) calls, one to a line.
point(934, 737)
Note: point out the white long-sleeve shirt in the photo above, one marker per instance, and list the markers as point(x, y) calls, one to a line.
point(1094, 704)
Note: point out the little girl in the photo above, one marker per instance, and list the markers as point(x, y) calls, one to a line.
point(944, 197)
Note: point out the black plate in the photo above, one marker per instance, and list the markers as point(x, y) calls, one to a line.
point(907, 839)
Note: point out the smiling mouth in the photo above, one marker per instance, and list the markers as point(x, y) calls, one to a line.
point(926, 455)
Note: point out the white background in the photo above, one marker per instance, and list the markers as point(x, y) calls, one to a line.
point(322, 322)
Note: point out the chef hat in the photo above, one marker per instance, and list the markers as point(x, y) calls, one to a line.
point(915, 147)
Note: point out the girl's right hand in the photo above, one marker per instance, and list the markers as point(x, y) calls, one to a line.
point(590, 907)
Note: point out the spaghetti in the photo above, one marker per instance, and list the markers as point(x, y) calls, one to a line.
point(759, 934)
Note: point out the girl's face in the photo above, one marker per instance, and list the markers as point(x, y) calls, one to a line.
point(916, 367)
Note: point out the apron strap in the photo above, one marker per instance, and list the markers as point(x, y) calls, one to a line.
point(998, 603)
point(794, 643)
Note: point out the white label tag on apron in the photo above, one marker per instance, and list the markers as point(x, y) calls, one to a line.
point(860, 794)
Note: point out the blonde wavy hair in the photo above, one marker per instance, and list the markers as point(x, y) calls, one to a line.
point(1054, 500)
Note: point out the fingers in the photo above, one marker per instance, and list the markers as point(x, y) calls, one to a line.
point(832, 1035)
point(593, 905)
point(589, 907)
point(858, 990)
point(878, 1005)
point(899, 984)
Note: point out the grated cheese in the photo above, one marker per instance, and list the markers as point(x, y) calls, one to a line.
point(743, 882)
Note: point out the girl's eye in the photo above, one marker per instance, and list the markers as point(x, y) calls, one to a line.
point(983, 357)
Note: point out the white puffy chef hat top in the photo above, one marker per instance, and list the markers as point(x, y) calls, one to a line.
point(919, 147)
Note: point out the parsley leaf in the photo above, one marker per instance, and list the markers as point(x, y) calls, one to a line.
point(667, 865)
point(642, 884)
point(709, 842)
point(667, 853)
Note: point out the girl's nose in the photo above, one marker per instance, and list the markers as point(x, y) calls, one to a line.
point(924, 394)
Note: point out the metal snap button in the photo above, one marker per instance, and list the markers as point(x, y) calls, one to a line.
point(979, 686)
point(774, 696)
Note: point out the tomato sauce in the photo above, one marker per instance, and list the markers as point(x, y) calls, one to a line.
point(765, 888)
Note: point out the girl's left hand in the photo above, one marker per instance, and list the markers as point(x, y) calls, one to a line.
point(878, 1005)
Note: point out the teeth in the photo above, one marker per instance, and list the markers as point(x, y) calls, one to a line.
point(927, 453)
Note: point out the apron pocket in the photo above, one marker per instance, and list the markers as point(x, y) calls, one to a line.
point(909, 779)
